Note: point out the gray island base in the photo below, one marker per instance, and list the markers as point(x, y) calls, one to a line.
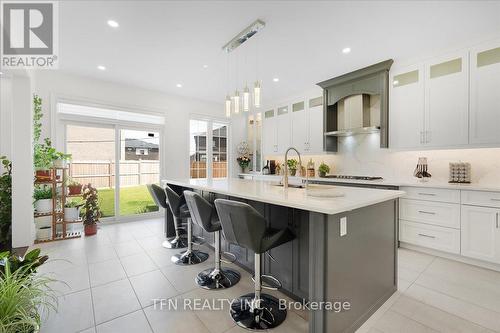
point(342, 274)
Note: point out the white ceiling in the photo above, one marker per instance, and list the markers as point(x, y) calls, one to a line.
point(162, 43)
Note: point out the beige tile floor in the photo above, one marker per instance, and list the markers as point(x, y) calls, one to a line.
point(110, 280)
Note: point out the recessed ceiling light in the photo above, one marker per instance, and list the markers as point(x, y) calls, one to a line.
point(205, 66)
point(113, 24)
point(101, 68)
point(1, 73)
point(346, 50)
point(276, 79)
point(178, 85)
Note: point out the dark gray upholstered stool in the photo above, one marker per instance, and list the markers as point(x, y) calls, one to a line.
point(246, 227)
point(160, 198)
point(180, 211)
point(204, 214)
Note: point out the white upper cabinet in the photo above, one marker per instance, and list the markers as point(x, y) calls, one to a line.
point(299, 126)
point(485, 94)
point(406, 98)
point(447, 101)
point(269, 133)
point(315, 125)
point(283, 126)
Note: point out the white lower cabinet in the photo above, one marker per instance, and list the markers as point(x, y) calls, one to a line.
point(436, 213)
point(434, 237)
point(463, 222)
point(481, 233)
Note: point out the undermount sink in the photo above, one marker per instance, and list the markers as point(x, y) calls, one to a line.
point(319, 191)
point(292, 185)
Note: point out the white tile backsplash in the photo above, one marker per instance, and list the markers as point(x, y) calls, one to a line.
point(362, 155)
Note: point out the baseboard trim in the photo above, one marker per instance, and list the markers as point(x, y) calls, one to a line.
point(451, 256)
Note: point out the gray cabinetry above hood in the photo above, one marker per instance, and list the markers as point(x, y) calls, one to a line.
point(357, 102)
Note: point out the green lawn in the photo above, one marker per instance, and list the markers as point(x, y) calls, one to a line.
point(133, 200)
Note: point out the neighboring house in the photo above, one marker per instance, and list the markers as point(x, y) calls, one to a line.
point(136, 149)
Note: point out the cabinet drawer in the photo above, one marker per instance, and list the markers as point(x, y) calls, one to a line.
point(481, 198)
point(439, 238)
point(431, 194)
point(436, 213)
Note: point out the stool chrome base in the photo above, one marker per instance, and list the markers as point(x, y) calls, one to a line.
point(217, 279)
point(175, 243)
point(268, 316)
point(189, 258)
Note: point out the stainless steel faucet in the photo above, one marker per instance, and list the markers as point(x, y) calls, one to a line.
point(285, 175)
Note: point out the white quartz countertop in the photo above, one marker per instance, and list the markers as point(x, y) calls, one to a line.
point(268, 192)
point(431, 183)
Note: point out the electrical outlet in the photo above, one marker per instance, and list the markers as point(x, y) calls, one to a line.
point(343, 226)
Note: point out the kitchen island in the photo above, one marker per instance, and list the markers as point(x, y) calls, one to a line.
point(345, 248)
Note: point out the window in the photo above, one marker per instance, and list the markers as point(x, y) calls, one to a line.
point(201, 133)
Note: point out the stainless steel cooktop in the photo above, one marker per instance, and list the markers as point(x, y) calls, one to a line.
point(354, 177)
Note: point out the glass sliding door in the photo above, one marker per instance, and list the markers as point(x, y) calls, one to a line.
point(101, 152)
point(198, 130)
point(219, 150)
point(94, 158)
point(139, 165)
point(208, 160)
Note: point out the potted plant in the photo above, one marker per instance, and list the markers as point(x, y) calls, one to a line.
point(91, 210)
point(74, 187)
point(72, 211)
point(5, 203)
point(43, 199)
point(25, 297)
point(244, 162)
point(42, 159)
point(60, 160)
point(323, 169)
point(292, 166)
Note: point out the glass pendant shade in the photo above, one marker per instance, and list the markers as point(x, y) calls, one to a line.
point(256, 94)
point(236, 100)
point(246, 99)
point(228, 106)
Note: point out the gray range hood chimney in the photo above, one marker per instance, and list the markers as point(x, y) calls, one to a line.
point(356, 103)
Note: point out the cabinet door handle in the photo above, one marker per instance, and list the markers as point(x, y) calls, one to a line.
point(428, 236)
point(497, 218)
point(430, 194)
point(494, 199)
point(421, 136)
point(424, 212)
point(428, 136)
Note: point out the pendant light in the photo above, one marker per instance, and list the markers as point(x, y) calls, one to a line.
point(236, 102)
point(246, 99)
point(228, 106)
point(256, 94)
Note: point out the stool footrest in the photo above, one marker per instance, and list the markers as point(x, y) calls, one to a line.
point(269, 282)
point(232, 257)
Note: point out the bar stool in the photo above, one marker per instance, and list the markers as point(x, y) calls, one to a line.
point(180, 211)
point(160, 198)
point(204, 214)
point(246, 227)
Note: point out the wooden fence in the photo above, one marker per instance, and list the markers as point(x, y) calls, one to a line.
point(101, 174)
point(199, 169)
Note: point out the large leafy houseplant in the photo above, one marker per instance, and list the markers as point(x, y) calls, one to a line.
point(25, 297)
point(91, 209)
point(5, 203)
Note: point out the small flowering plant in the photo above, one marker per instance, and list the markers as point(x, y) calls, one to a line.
point(243, 161)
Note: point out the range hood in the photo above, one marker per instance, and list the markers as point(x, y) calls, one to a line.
point(357, 114)
point(355, 103)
